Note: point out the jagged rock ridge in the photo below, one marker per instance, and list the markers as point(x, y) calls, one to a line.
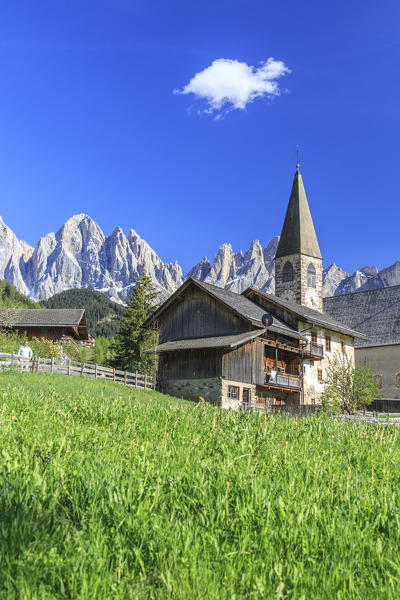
point(235, 271)
point(79, 255)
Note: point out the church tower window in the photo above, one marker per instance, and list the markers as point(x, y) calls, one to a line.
point(287, 272)
point(311, 276)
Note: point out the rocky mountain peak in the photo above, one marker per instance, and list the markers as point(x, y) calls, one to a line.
point(80, 255)
point(255, 252)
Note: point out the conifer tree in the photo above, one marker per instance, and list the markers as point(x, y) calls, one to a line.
point(132, 339)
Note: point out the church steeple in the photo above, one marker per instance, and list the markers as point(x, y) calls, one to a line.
point(298, 260)
point(298, 233)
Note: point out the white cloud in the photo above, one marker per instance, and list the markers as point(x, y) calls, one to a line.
point(228, 84)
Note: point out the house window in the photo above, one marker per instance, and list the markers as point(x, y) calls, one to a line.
point(287, 272)
point(246, 395)
point(379, 381)
point(311, 276)
point(320, 380)
point(233, 392)
point(43, 331)
point(328, 343)
point(314, 337)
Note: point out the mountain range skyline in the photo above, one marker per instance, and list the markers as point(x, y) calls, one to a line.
point(79, 255)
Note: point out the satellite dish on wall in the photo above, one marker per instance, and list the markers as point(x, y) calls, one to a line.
point(267, 320)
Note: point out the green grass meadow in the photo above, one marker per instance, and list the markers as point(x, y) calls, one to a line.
point(109, 492)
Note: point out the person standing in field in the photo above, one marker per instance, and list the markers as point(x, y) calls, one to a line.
point(24, 354)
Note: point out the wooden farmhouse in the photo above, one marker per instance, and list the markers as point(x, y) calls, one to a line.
point(234, 349)
point(55, 324)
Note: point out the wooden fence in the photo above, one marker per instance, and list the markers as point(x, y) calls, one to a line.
point(386, 418)
point(296, 411)
point(71, 367)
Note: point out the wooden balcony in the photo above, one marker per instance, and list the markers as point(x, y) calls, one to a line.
point(313, 351)
point(282, 380)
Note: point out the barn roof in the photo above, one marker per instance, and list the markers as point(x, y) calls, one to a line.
point(375, 313)
point(239, 304)
point(222, 341)
point(46, 317)
point(308, 314)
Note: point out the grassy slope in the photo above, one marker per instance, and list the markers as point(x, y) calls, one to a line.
point(109, 492)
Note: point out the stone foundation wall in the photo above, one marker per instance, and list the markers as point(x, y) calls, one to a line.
point(233, 403)
point(216, 391)
point(192, 389)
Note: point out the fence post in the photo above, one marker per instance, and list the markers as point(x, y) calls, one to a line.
point(52, 365)
point(145, 381)
point(114, 374)
point(135, 378)
point(95, 371)
point(69, 367)
point(82, 365)
point(125, 378)
point(12, 359)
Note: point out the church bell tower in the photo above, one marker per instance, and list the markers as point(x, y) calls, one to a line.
point(298, 260)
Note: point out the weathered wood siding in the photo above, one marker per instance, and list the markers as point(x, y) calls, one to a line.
point(190, 364)
point(245, 364)
point(199, 315)
point(48, 333)
point(258, 362)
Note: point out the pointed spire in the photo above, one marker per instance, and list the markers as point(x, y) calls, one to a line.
point(298, 233)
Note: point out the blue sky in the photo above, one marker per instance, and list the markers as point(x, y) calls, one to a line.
point(89, 122)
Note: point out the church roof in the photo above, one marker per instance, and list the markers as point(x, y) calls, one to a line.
point(375, 313)
point(298, 233)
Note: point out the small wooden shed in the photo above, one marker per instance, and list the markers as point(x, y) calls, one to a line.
point(49, 323)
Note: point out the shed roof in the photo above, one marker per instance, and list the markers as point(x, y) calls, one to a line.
point(46, 317)
point(223, 341)
point(308, 314)
point(375, 313)
point(239, 304)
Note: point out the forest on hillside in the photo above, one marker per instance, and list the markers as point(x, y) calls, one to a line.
point(10, 297)
point(102, 314)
